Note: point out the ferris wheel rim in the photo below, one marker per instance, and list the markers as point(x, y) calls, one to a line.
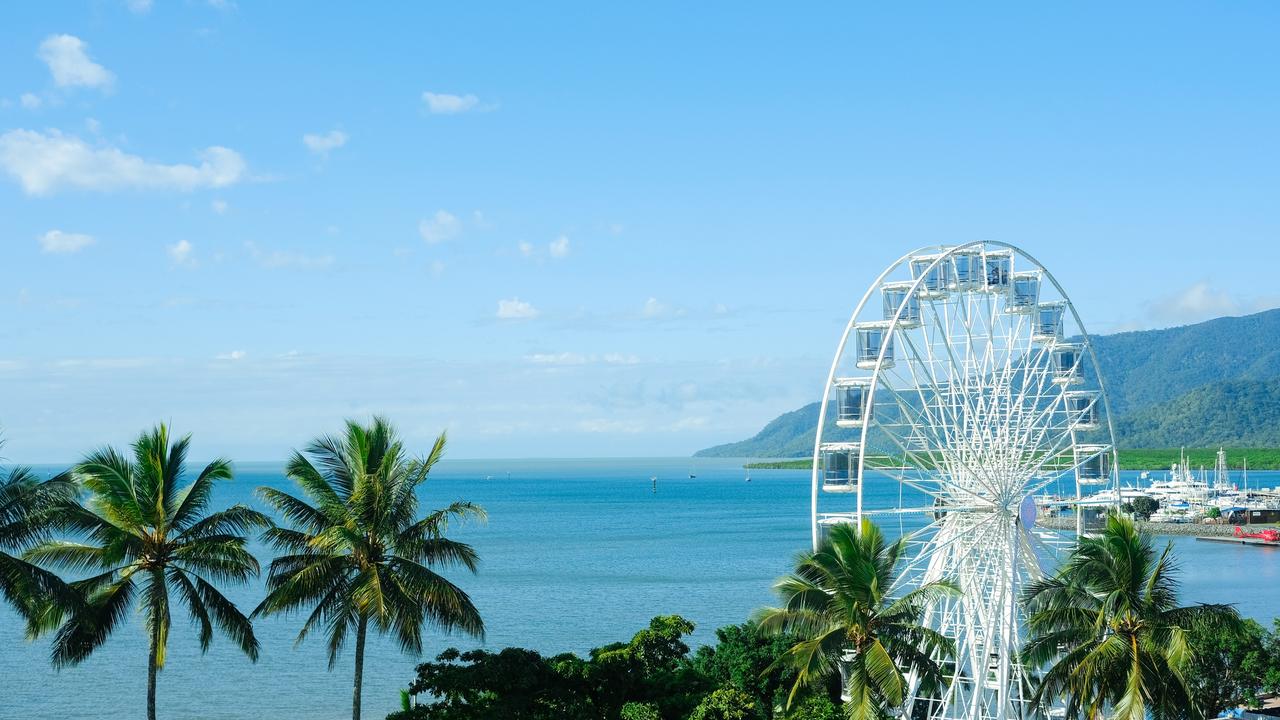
point(937, 254)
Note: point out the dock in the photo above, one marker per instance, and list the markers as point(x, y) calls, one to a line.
point(1241, 541)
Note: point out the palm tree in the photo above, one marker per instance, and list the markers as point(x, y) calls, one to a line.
point(357, 552)
point(837, 602)
point(146, 538)
point(27, 506)
point(1109, 627)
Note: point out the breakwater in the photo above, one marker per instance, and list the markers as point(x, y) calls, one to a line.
point(1151, 528)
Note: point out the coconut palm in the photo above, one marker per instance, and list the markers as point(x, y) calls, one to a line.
point(357, 552)
point(838, 602)
point(1110, 630)
point(27, 505)
point(146, 538)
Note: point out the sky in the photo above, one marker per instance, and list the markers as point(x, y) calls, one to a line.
point(567, 230)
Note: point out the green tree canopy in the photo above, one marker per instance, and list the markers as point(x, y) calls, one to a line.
point(839, 603)
point(1108, 627)
point(356, 552)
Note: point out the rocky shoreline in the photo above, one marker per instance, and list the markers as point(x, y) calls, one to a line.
point(1152, 528)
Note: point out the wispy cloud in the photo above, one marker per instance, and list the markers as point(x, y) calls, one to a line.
point(321, 144)
point(59, 242)
point(273, 259)
point(44, 163)
point(557, 249)
point(233, 355)
point(182, 253)
point(516, 309)
point(68, 59)
point(439, 227)
point(139, 7)
point(447, 104)
point(572, 358)
point(219, 206)
point(1202, 301)
point(30, 101)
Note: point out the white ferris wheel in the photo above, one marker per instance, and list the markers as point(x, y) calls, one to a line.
point(965, 390)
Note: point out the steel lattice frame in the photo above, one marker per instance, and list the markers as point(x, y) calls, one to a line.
point(968, 411)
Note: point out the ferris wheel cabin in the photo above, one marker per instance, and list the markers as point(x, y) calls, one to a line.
point(1065, 361)
point(851, 401)
point(840, 467)
point(970, 270)
point(1093, 464)
point(1082, 409)
point(872, 338)
point(999, 270)
point(1026, 292)
point(1048, 322)
point(938, 275)
point(899, 295)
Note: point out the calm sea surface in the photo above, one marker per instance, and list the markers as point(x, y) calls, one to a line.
point(577, 553)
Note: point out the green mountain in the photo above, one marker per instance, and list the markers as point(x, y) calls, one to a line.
point(1146, 368)
point(1232, 413)
point(1209, 384)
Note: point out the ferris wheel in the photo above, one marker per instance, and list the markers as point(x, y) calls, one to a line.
point(965, 392)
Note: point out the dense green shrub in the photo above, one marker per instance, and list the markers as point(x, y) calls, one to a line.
point(726, 704)
point(815, 707)
point(652, 671)
point(744, 658)
point(640, 711)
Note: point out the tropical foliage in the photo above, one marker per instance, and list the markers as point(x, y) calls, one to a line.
point(1109, 630)
point(27, 507)
point(838, 604)
point(146, 539)
point(651, 677)
point(355, 552)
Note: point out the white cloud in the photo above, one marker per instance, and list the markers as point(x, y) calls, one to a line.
point(139, 7)
point(322, 144)
point(93, 126)
point(286, 259)
point(1203, 301)
point(436, 268)
point(526, 248)
point(690, 423)
point(56, 241)
point(563, 358)
point(572, 358)
point(233, 355)
point(438, 228)
point(446, 104)
point(611, 426)
point(516, 309)
point(44, 163)
point(219, 206)
point(653, 308)
point(70, 65)
point(559, 247)
point(30, 101)
point(182, 253)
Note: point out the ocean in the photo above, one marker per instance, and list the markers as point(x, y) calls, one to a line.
point(576, 554)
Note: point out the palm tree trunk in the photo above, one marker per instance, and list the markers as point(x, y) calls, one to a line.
point(152, 668)
point(361, 631)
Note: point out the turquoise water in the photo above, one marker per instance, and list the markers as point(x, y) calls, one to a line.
point(577, 553)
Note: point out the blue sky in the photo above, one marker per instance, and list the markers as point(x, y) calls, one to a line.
point(581, 230)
